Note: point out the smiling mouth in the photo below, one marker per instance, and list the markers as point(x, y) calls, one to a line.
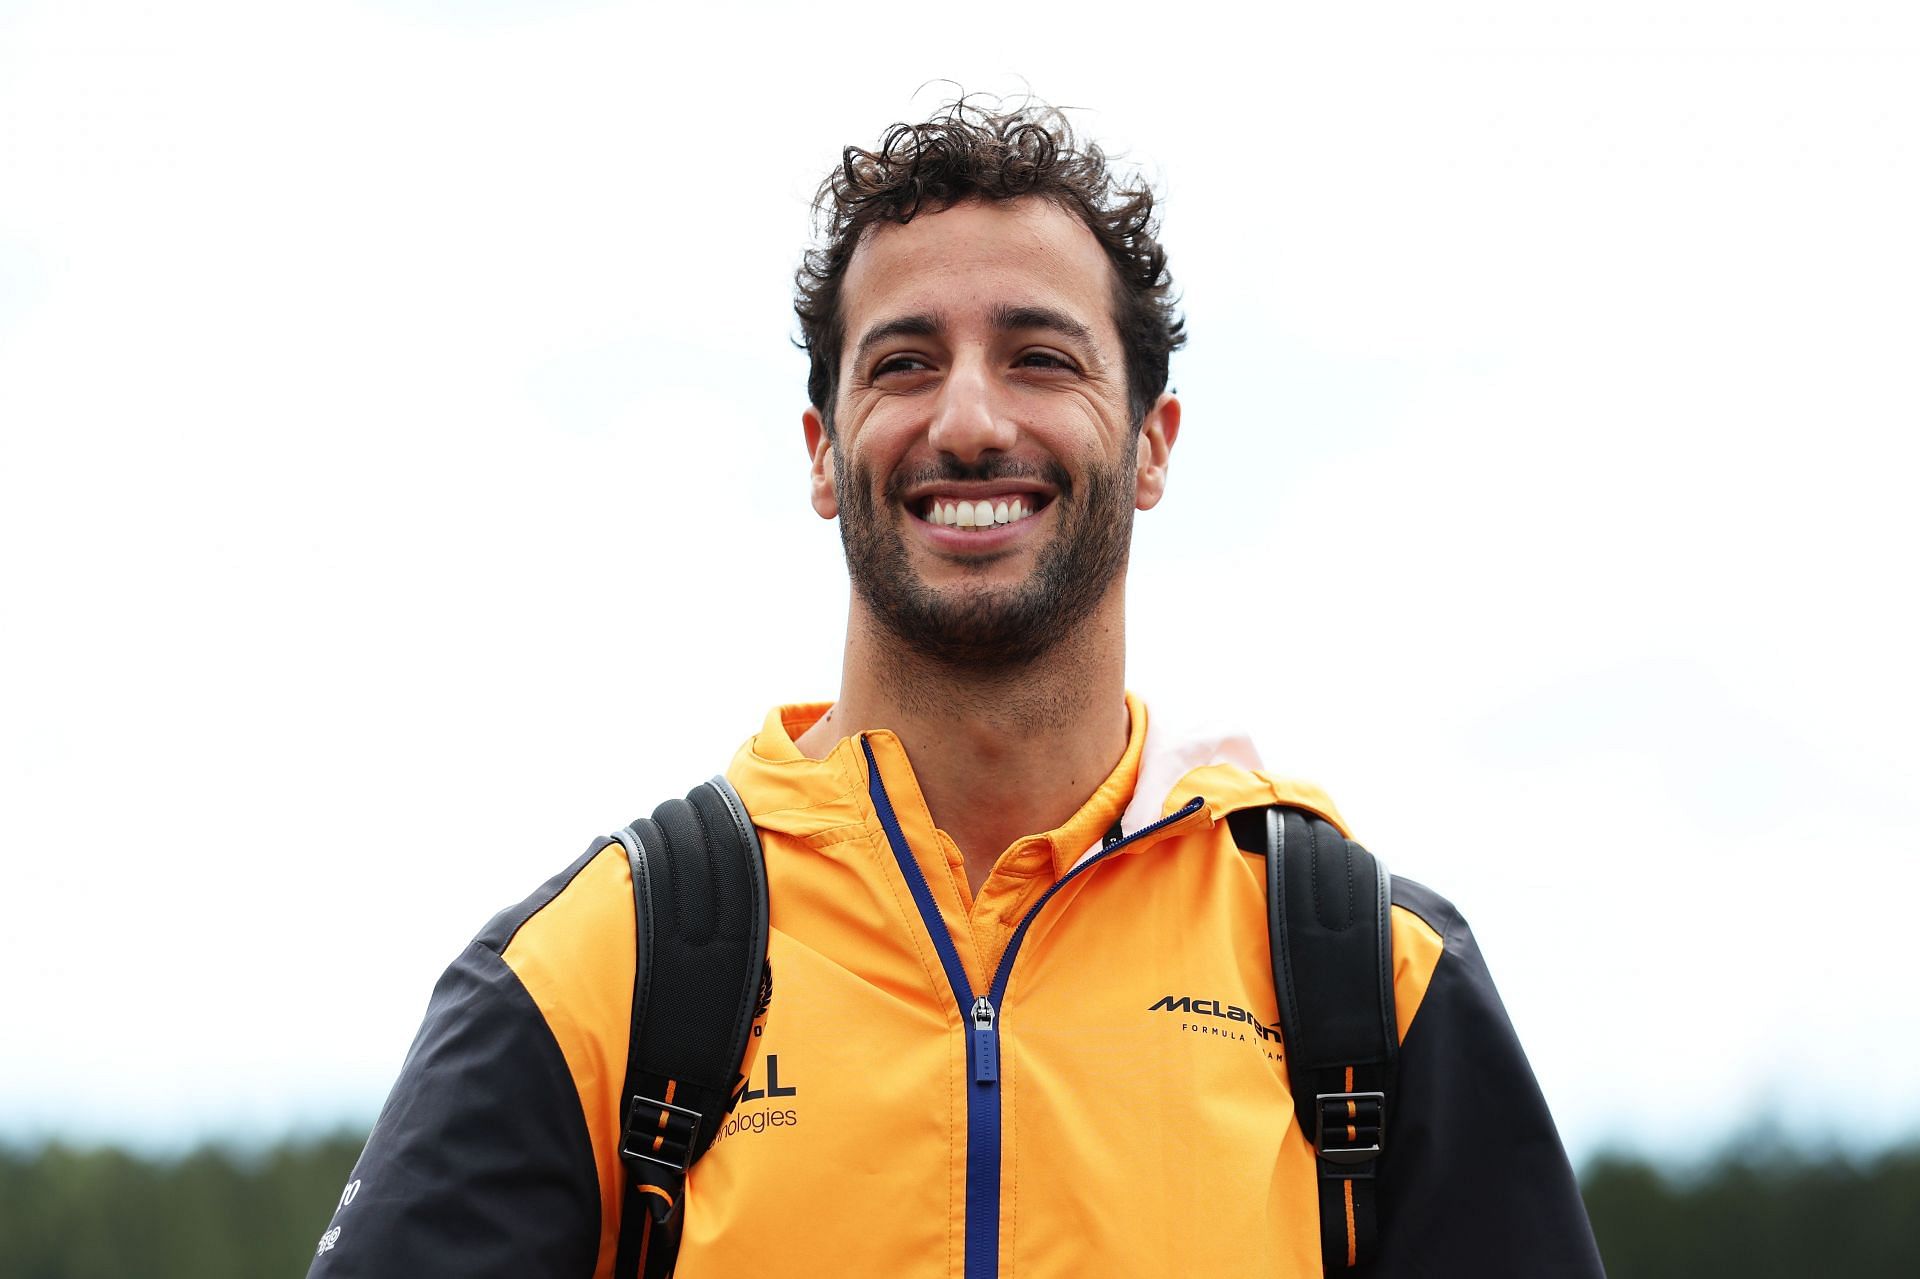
point(955, 512)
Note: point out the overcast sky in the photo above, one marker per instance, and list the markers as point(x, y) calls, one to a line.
point(398, 414)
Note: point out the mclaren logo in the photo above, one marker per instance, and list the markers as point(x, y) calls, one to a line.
point(1194, 1006)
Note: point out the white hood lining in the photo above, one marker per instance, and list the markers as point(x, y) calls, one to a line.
point(1171, 751)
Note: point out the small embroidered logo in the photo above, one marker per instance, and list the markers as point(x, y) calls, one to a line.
point(766, 991)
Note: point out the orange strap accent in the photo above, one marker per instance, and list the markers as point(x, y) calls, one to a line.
point(1353, 1134)
point(646, 1222)
point(1353, 1238)
point(672, 1083)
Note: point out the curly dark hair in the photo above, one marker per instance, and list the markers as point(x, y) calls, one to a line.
point(973, 152)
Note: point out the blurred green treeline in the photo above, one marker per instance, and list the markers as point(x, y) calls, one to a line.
point(1765, 1211)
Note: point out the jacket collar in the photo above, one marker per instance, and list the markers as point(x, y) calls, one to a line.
point(824, 801)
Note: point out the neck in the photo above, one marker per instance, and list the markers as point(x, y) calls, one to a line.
point(998, 755)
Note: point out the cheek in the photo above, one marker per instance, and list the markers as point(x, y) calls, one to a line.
point(883, 454)
point(855, 485)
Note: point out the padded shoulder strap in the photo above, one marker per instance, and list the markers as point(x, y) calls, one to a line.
point(1330, 932)
point(700, 922)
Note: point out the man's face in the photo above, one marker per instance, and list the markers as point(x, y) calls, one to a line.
point(983, 470)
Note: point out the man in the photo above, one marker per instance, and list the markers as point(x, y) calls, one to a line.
point(983, 819)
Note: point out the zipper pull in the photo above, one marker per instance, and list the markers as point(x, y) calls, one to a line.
point(986, 1051)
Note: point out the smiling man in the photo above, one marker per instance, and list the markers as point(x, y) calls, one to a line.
point(980, 447)
point(1019, 1012)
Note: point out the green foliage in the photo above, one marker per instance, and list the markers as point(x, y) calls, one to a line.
point(105, 1214)
point(216, 1213)
point(1772, 1213)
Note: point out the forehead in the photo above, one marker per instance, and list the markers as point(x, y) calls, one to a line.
point(971, 257)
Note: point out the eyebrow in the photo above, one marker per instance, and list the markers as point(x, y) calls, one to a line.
point(924, 325)
point(1006, 319)
point(1010, 319)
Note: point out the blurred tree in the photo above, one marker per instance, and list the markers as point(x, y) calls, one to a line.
point(1768, 1212)
point(214, 1214)
point(1761, 1211)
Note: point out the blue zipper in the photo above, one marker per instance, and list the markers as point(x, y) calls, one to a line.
point(979, 1014)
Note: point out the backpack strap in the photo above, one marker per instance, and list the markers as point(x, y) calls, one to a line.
point(1330, 930)
point(700, 964)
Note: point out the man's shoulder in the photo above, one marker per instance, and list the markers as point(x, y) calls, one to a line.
point(1429, 907)
point(594, 890)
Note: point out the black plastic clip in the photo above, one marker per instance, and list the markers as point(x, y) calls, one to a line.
point(660, 1133)
point(1357, 1124)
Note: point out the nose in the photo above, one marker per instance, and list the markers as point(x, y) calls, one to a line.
point(968, 420)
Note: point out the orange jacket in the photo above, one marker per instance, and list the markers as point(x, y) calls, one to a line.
point(1138, 1119)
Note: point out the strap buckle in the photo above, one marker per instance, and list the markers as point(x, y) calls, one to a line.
point(660, 1133)
point(1349, 1127)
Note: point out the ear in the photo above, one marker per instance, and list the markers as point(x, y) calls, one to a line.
point(820, 464)
point(1157, 434)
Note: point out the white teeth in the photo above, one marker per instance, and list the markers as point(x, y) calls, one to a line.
point(984, 514)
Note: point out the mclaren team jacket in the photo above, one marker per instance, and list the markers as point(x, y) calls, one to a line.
point(1141, 1123)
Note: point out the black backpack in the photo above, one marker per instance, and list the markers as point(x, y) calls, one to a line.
point(701, 989)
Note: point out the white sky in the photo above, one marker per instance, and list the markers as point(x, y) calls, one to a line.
point(389, 392)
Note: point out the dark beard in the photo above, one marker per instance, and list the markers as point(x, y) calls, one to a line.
point(973, 628)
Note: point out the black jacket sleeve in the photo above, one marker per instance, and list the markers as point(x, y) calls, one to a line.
point(479, 1164)
point(1473, 1179)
